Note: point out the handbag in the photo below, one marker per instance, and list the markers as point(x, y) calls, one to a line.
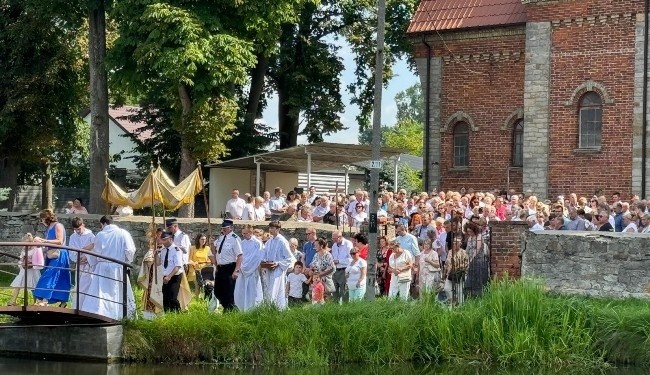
point(457, 276)
point(404, 277)
point(52, 253)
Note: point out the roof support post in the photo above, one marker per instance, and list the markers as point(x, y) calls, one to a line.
point(346, 185)
point(308, 170)
point(258, 175)
point(396, 180)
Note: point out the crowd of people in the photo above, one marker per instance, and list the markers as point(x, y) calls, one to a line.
point(440, 247)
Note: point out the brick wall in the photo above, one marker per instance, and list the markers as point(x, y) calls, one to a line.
point(483, 76)
point(600, 51)
point(505, 248)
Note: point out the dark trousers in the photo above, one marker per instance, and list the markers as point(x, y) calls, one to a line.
point(294, 301)
point(224, 286)
point(170, 294)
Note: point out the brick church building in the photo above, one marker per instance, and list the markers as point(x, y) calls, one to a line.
point(543, 96)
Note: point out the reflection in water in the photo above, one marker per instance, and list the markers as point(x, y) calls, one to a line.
point(22, 367)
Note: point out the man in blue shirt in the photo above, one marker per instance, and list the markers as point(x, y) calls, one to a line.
point(618, 217)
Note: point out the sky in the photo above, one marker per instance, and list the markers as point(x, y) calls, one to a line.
point(403, 79)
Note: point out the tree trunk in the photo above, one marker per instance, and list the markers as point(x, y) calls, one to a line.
point(9, 170)
point(99, 141)
point(288, 124)
point(46, 185)
point(188, 162)
point(255, 93)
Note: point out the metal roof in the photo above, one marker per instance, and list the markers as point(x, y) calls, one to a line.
point(324, 156)
point(441, 15)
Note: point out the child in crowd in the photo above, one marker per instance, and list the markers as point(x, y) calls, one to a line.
point(34, 257)
point(318, 290)
point(295, 280)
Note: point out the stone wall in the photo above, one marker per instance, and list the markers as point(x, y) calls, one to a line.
point(588, 263)
point(14, 225)
point(505, 248)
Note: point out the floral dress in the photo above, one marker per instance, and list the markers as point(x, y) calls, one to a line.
point(322, 263)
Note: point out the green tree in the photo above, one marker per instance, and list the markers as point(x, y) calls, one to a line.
point(410, 105)
point(41, 91)
point(407, 134)
point(181, 50)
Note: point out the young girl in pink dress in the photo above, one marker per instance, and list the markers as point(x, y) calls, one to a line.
point(34, 257)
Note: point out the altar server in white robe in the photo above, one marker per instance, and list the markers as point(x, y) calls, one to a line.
point(248, 286)
point(106, 283)
point(277, 259)
point(81, 237)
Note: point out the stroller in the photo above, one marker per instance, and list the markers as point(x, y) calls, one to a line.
point(207, 278)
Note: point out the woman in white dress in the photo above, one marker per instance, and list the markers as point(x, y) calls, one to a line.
point(33, 255)
point(429, 267)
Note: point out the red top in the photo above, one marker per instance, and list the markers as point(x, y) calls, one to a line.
point(318, 292)
point(363, 252)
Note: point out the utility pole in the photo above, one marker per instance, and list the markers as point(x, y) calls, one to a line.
point(375, 164)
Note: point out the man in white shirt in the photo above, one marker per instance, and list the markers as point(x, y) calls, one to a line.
point(312, 195)
point(105, 292)
point(409, 243)
point(171, 259)
point(227, 255)
point(421, 231)
point(181, 240)
point(277, 205)
point(533, 224)
point(319, 211)
point(235, 206)
point(341, 253)
point(80, 238)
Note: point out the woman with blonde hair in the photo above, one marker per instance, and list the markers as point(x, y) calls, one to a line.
point(400, 264)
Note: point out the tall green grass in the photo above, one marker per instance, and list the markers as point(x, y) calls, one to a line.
point(514, 324)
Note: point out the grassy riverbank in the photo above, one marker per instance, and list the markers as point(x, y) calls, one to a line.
point(515, 324)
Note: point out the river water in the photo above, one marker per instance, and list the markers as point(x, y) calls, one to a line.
point(9, 366)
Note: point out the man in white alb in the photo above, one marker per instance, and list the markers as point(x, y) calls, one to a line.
point(277, 259)
point(105, 291)
point(235, 206)
point(81, 237)
point(248, 286)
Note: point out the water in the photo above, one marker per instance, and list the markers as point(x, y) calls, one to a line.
point(10, 366)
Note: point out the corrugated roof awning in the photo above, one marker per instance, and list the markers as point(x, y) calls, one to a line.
point(295, 159)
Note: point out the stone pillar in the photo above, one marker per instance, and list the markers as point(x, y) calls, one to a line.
point(505, 248)
point(637, 120)
point(435, 88)
point(536, 108)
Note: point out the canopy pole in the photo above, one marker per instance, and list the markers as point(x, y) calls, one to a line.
point(205, 199)
point(308, 170)
point(395, 181)
point(346, 186)
point(258, 175)
point(108, 204)
point(153, 243)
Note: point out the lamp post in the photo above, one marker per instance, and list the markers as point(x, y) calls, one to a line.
point(376, 144)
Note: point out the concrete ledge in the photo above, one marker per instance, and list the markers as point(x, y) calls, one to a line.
point(78, 342)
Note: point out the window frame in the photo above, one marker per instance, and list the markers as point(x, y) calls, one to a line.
point(517, 157)
point(596, 111)
point(456, 136)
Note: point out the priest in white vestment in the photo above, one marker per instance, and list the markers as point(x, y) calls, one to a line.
point(81, 237)
point(248, 287)
point(277, 259)
point(106, 282)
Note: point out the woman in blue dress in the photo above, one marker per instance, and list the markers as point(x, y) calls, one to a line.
point(55, 282)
